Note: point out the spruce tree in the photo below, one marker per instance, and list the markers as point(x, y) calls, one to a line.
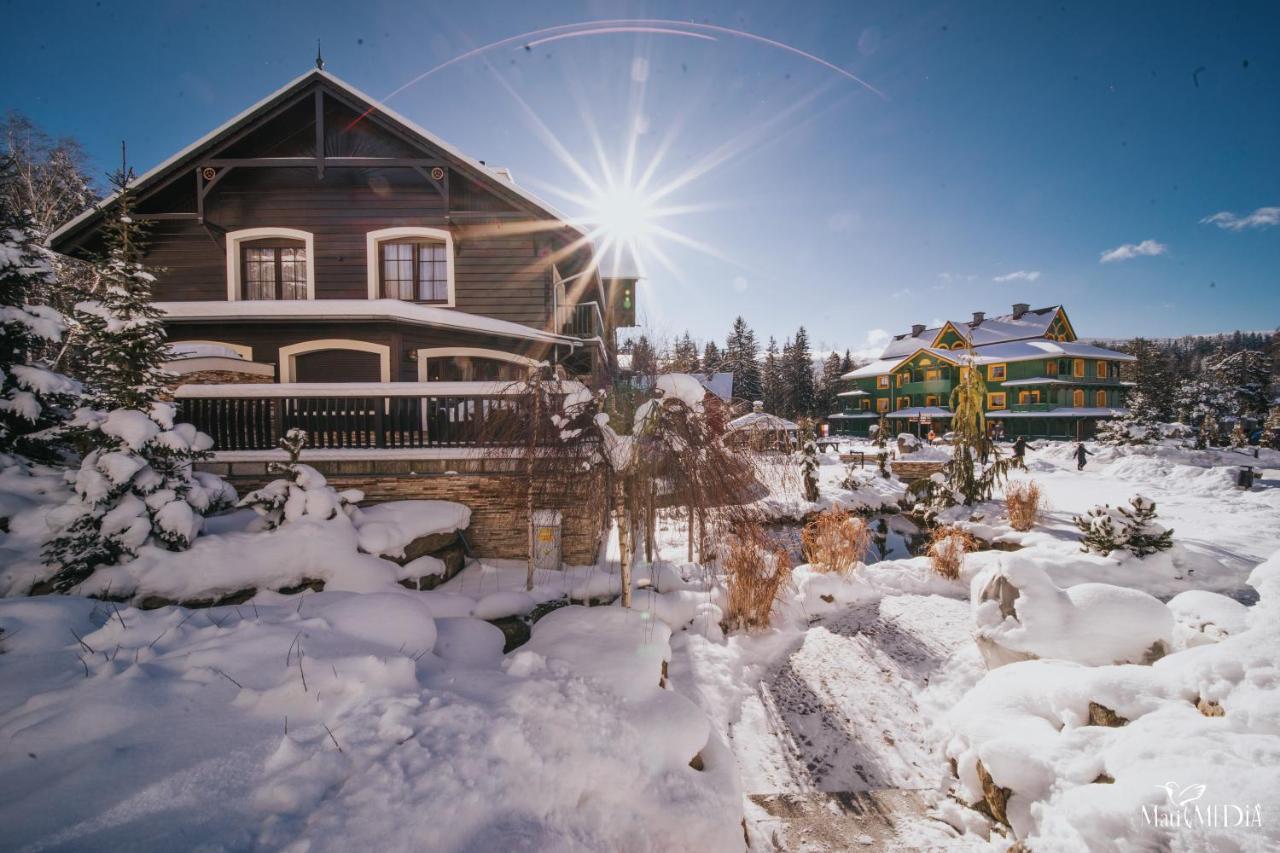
point(136, 486)
point(1245, 376)
point(829, 387)
point(33, 398)
point(741, 355)
point(712, 360)
point(684, 356)
point(798, 372)
point(771, 379)
point(1152, 399)
point(644, 358)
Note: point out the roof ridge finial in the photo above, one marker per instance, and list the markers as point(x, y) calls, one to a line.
point(319, 57)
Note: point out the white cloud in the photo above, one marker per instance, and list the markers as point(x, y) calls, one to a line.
point(1019, 275)
point(871, 347)
point(1263, 217)
point(949, 277)
point(1150, 248)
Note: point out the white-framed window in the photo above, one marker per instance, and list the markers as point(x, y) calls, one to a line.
point(270, 263)
point(414, 264)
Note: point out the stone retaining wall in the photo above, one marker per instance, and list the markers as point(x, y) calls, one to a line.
point(907, 471)
point(488, 487)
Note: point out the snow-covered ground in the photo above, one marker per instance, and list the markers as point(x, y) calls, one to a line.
point(372, 716)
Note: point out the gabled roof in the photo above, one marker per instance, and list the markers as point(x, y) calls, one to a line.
point(1031, 324)
point(498, 180)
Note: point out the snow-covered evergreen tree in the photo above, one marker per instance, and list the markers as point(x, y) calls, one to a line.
point(136, 484)
point(33, 398)
point(684, 355)
point(1132, 528)
point(1151, 400)
point(797, 374)
point(829, 386)
point(1201, 403)
point(1245, 377)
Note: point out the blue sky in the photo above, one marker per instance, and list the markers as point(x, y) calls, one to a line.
point(1011, 138)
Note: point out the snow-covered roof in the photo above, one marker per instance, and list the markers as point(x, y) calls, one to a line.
point(358, 309)
point(198, 349)
point(1063, 412)
point(761, 421)
point(500, 176)
point(907, 343)
point(360, 389)
point(720, 384)
point(875, 368)
point(1036, 349)
point(857, 392)
point(841, 416)
point(1006, 327)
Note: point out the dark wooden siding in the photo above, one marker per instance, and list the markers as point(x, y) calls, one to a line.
point(498, 271)
point(338, 365)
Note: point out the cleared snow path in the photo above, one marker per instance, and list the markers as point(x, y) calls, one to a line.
point(833, 745)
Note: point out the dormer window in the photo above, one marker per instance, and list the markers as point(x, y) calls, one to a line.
point(414, 270)
point(273, 268)
point(411, 263)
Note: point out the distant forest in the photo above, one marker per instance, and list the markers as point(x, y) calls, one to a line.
point(1187, 354)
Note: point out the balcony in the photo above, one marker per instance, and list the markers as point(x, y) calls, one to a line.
point(1031, 407)
point(357, 415)
point(583, 320)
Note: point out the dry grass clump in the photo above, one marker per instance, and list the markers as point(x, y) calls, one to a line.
point(1024, 502)
point(756, 569)
point(836, 540)
point(947, 549)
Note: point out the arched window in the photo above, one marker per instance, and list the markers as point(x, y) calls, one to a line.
point(471, 364)
point(270, 264)
point(1100, 398)
point(1077, 398)
point(372, 365)
point(411, 264)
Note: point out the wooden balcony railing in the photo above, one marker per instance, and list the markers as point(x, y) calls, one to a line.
point(358, 415)
point(580, 321)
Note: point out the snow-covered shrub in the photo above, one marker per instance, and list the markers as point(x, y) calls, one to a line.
point(1204, 617)
point(836, 540)
point(1020, 613)
point(302, 493)
point(1132, 528)
point(755, 571)
point(136, 487)
point(1024, 502)
point(948, 546)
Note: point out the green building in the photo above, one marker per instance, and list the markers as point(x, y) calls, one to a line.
point(1041, 382)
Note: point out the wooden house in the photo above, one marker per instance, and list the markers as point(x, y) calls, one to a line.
point(1042, 382)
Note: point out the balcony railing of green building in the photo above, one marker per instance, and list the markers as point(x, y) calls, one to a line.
point(940, 387)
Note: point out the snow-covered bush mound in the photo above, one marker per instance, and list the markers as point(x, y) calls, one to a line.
point(1180, 755)
point(353, 722)
point(1206, 617)
point(1020, 613)
point(386, 529)
point(303, 493)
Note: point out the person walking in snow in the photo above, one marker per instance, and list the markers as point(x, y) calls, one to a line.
point(1081, 456)
point(1020, 452)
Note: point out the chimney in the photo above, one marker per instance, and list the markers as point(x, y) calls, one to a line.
point(1020, 308)
point(917, 329)
point(978, 317)
point(757, 406)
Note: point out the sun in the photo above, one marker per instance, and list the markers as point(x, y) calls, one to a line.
point(623, 215)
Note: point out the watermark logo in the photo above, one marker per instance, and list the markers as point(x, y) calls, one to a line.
point(1182, 809)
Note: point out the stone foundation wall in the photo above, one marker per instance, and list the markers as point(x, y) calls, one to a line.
point(488, 487)
point(909, 471)
point(223, 377)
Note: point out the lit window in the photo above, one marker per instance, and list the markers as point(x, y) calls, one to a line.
point(416, 271)
point(273, 269)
